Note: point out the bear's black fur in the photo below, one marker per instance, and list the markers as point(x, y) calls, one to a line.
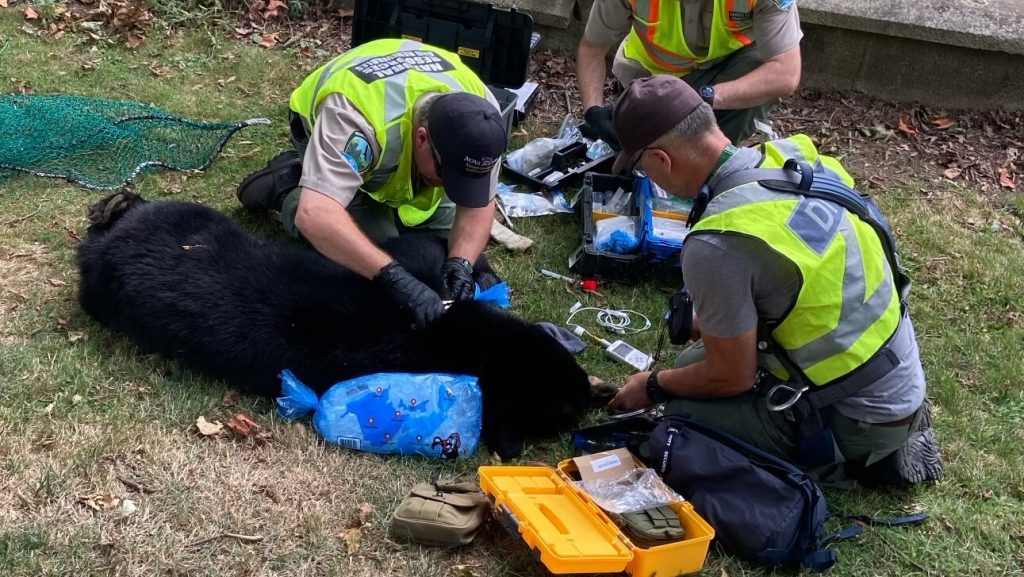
point(186, 281)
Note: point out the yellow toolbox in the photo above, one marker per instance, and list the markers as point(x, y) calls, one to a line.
point(571, 534)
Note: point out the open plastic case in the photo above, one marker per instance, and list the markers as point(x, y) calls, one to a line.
point(568, 166)
point(660, 226)
point(570, 534)
point(587, 260)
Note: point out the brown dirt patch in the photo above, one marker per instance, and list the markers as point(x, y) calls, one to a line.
point(23, 270)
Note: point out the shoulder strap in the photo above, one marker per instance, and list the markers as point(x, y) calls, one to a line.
point(799, 178)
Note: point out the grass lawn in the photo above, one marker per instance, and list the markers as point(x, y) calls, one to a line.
point(86, 418)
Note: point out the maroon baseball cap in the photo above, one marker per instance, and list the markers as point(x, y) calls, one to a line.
point(469, 137)
point(649, 108)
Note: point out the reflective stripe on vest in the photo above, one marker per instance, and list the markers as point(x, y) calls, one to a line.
point(656, 38)
point(383, 79)
point(847, 307)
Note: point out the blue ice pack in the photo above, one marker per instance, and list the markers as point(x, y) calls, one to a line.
point(431, 414)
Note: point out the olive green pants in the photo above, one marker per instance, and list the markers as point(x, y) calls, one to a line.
point(747, 416)
point(738, 125)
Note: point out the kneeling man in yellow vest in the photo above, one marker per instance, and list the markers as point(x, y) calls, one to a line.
point(390, 137)
point(804, 346)
point(739, 55)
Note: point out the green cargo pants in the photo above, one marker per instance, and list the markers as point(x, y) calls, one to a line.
point(738, 125)
point(377, 220)
point(746, 416)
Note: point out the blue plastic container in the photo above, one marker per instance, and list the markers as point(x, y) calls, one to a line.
point(656, 247)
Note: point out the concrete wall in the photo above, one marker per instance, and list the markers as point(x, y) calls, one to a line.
point(896, 67)
point(906, 70)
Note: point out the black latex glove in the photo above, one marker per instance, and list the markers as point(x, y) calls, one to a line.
point(412, 295)
point(457, 282)
point(598, 124)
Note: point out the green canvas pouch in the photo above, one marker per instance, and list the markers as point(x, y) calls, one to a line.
point(446, 514)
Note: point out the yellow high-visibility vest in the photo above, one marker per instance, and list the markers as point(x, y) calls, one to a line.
point(383, 79)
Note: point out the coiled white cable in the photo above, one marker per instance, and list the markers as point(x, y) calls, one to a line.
point(616, 321)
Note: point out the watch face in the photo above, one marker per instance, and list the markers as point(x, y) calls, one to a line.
point(707, 92)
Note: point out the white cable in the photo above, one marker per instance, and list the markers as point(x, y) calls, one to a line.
point(616, 321)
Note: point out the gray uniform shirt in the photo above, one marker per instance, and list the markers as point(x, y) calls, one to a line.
point(325, 167)
point(735, 280)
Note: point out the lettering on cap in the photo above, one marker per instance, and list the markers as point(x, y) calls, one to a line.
point(479, 165)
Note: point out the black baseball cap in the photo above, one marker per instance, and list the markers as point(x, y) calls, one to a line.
point(467, 132)
point(648, 109)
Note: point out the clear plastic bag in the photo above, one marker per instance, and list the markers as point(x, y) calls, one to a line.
point(668, 229)
point(520, 204)
point(598, 148)
point(637, 490)
point(537, 153)
point(616, 234)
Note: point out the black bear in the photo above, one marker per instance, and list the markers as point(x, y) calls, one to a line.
point(186, 281)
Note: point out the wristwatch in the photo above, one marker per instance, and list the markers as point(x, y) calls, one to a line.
point(707, 93)
point(654, 390)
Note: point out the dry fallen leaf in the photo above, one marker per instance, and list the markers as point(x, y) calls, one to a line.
point(906, 128)
point(274, 8)
point(208, 429)
point(100, 502)
point(133, 41)
point(30, 14)
point(462, 571)
point(951, 173)
point(230, 398)
point(1007, 179)
point(56, 282)
point(943, 122)
point(269, 40)
point(242, 425)
point(351, 538)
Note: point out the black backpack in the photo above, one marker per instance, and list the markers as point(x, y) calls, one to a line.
point(763, 509)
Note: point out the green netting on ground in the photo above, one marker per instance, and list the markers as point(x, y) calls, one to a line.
point(103, 144)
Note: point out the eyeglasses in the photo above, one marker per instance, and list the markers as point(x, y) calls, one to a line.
point(636, 159)
point(437, 160)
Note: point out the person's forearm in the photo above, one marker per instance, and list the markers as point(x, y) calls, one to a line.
point(329, 227)
point(777, 77)
point(699, 380)
point(471, 231)
point(590, 73)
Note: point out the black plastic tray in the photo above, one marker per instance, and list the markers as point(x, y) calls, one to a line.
point(571, 160)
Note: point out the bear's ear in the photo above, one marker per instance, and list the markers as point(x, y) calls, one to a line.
point(505, 440)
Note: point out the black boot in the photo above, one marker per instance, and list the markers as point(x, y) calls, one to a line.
point(265, 189)
point(919, 460)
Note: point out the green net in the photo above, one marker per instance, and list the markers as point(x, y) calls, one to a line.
point(103, 144)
